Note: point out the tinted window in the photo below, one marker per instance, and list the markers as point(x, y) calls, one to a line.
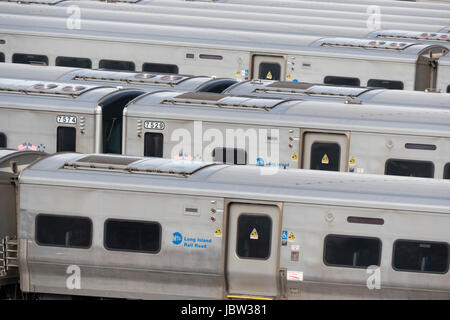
point(447, 171)
point(2, 140)
point(448, 89)
point(66, 139)
point(153, 144)
point(254, 236)
point(2, 57)
point(410, 168)
point(116, 65)
point(342, 81)
point(30, 59)
point(160, 68)
point(73, 62)
point(420, 256)
point(388, 84)
point(62, 231)
point(325, 156)
point(230, 155)
point(351, 251)
point(141, 236)
point(271, 71)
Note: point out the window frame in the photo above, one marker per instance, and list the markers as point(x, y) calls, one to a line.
point(91, 233)
point(75, 58)
point(380, 253)
point(235, 150)
point(131, 250)
point(419, 271)
point(116, 61)
point(57, 138)
point(5, 137)
point(409, 160)
point(30, 54)
point(342, 78)
point(174, 66)
point(390, 82)
point(269, 254)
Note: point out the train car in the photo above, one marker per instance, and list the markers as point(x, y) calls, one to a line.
point(139, 80)
point(82, 114)
point(158, 228)
point(12, 163)
point(301, 25)
point(275, 14)
point(223, 53)
point(285, 133)
point(391, 93)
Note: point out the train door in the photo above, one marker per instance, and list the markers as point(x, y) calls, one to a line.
point(268, 67)
point(427, 68)
point(109, 126)
point(325, 151)
point(252, 250)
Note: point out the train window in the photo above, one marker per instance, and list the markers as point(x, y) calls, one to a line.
point(387, 84)
point(160, 68)
point(116, 65)
point(63, 231)
point(254, 236)
point(2, 140)
point(73, 62)
point(448, 89)
point(2, 57)
point(230, 155)
point(271, 71)
point(409, 168)
point(420, 256)
point(138, 236)
point(30, 59)
point(342, 81)
point(153, 144)
point(447, 171)
point(325, 156)
point(352, 251)
point(66, 139)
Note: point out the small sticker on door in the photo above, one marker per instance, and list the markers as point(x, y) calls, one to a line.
point(254, 234)
point(352, 161)
point(291, 237)
point(325, 159)
point(218, 232)
point(294, 157)
point(269, 75)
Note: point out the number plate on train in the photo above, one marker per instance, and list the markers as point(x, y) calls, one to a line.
point(66, 119)
point(159, 125)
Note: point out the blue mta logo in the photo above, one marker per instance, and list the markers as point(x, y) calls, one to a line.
point(260, 162)
point(177, 238)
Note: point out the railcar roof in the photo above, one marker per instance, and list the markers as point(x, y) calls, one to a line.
point(294, 113)
point(303, 90)
point(51, 95)
point(241, 182)
point(203, 37)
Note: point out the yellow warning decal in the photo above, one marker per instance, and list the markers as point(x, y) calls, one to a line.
point(288, 77)
point(254, 234)
point(269, 75)
point(294, 157)
point(291, 236)
point(325, 159)
point(238, 73)
point(218, 232)
point(351, 161)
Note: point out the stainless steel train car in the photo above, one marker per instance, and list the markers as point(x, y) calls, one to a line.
point(138, 80)
point(330, 135)
point(12, 162)
point(222, 53)
point(275, 14)
point(301, 25)
point(84, 117)
point(390, 94)
point(157, 228)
